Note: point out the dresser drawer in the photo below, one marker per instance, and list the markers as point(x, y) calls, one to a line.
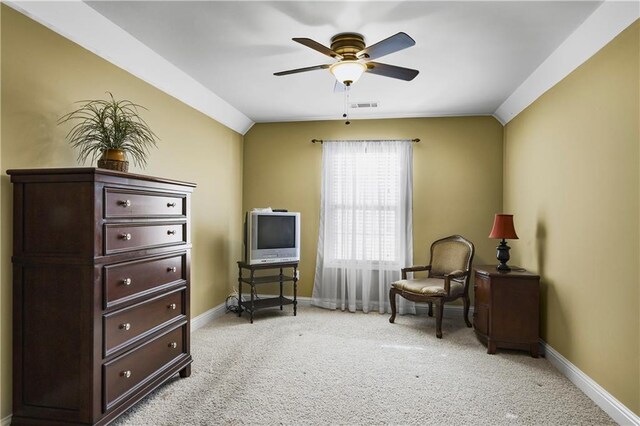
point(127, 237)
point(128, 325)
point(125, 281)
point(120, 203)
point(130, 371)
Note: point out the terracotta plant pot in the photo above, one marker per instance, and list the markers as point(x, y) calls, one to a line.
point(113, 159)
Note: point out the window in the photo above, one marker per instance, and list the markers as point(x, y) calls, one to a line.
point(363, 206)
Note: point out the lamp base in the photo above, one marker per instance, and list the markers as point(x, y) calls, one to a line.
point(503, 256)
point(503, 267)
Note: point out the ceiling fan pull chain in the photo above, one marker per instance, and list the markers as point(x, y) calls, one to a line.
point(346, 104)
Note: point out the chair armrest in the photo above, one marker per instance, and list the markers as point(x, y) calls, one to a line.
point(458, 273)
point(414, 269)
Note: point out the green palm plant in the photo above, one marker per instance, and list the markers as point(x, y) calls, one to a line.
point(109, 125)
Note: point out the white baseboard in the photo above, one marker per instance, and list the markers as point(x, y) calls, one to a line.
point(219, 310)
point(609, 404)
point(6, 421)
point(421, 308)
point(304, 301)
point(208, 316)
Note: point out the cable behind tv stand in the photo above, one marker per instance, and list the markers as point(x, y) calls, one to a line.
point(254, 304)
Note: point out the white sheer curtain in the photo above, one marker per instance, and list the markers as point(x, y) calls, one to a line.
point(365, 234)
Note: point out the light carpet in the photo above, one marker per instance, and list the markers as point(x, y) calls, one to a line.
point(333, 367)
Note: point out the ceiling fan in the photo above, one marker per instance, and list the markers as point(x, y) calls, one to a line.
point(354, 57)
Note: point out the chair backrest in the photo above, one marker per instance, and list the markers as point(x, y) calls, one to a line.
point(449, 254)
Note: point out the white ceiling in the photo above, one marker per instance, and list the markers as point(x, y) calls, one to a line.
point(471, 55)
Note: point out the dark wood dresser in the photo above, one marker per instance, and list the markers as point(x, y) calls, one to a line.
point(507, 309)
point(100, 292)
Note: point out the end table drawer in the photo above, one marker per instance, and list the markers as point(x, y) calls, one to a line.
point(481, 318)
point(481, 289)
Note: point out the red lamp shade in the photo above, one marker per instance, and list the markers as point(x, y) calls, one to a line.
point(503, 227)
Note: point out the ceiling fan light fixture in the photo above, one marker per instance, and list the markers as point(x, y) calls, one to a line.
point(347, 72)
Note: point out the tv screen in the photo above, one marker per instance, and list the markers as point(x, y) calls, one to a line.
point(276, 232)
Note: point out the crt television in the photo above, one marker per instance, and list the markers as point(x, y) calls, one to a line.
point(272, 237)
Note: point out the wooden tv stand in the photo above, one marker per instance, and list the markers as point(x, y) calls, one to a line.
point(254, 304)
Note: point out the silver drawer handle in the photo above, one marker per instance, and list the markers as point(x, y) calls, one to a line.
point(172, 306)
point(124, 203)
point(126, 326)
point(171, 204)
point(171, 269)
point(173, 345)
point(171, 232)
point(126, 374)
point(126, 281)
point(125, 237)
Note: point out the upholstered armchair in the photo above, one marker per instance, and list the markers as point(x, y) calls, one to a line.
point(448, 274)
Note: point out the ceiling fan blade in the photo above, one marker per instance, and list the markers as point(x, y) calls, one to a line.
point(297, 70)
point(388, 45)
point(317, 46)
point(392, 71)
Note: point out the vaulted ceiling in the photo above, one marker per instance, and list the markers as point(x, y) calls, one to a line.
point(219, 56)
point(471, 55)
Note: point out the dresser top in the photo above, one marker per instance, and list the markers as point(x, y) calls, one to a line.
point(516, 271)
point(88, 173)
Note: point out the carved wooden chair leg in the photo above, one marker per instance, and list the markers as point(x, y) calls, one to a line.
point(467, 302)
point(430, 313)
point(439, 320)
point(392, 301)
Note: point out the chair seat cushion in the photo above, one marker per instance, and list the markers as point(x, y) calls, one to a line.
point(428, 286)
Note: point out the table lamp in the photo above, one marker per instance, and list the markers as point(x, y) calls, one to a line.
point(503, 229)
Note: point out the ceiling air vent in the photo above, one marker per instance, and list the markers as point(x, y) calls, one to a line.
point(358, 105)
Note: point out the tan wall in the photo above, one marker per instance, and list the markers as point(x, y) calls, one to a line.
point(571, 178)
point(457, 177)
point(42, 75)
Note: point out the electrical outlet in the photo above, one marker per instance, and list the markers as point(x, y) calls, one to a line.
point(297, 274)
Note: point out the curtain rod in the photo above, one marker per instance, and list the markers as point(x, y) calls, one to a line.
point(416, 140)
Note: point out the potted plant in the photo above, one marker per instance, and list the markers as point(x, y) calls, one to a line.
point(110, 130)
